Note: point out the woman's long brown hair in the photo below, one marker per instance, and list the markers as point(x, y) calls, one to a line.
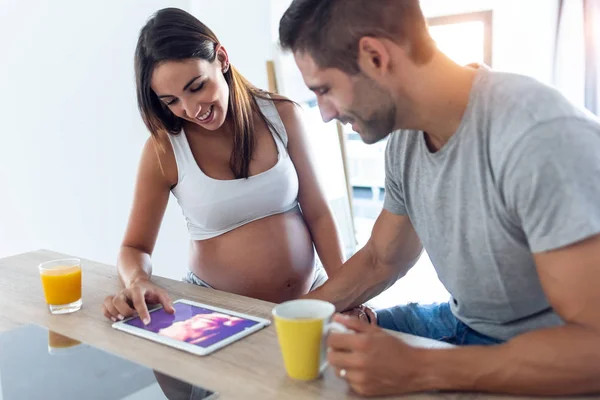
point(173, 34)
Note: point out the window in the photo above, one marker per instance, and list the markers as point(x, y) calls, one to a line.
point(465, 38)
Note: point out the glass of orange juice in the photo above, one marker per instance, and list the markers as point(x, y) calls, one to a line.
point(61, 280)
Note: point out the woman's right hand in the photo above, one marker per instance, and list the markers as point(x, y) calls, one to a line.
point(134, 299)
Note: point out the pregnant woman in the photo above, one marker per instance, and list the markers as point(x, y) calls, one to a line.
point(236, 158)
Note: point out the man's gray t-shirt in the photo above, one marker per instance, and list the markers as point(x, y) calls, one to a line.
point(521, 175)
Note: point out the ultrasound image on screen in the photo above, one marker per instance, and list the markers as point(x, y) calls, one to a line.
point(194, 325)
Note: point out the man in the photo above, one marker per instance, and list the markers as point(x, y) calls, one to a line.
point(495, 174)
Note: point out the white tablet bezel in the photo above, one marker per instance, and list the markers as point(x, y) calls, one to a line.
point(191, 348)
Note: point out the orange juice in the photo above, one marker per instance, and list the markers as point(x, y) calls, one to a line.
point(58, 341)
point(62, 285)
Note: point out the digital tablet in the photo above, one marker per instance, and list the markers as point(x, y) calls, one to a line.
point(196, 328)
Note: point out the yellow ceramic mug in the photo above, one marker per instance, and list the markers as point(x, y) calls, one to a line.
point(302, 326)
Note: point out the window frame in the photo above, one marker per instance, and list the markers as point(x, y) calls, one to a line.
point(479, 16)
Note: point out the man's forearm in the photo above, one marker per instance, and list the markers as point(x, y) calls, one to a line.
point(556, 361)
point(362, 279)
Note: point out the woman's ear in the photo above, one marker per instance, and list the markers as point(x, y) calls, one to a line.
point(223, 58)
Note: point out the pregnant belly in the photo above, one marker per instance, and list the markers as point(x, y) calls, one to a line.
point(270, 259)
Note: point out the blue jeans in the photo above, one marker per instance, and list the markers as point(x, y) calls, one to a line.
point(434, 321)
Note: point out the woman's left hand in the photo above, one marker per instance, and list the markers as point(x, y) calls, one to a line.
point(363, 313)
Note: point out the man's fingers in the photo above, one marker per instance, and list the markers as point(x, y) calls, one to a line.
point(364, 317)
point(353, 323)
point(346, 342)
point(372, 314)
point(358, 379)
point(351, 313)
point(345, 360)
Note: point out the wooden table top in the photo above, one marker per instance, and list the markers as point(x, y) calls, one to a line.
point(251, 368)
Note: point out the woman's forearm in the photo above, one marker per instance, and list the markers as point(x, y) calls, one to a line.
point(132, 265)
point(327, 243)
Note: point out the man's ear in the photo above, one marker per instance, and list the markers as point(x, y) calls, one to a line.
point(374, 57)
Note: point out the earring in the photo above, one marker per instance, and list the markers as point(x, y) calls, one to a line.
point(226, 68)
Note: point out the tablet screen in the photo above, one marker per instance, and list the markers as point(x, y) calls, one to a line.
point(195, 325)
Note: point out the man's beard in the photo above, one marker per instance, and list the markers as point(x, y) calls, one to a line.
point(381, 121)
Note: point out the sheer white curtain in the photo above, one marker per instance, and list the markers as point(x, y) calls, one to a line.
point(577, 67)
point(591, 10)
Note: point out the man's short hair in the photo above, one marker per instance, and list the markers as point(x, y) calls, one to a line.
point(330, 30)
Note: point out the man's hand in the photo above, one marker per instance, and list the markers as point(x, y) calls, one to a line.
point(374, 362)
point(363, 313)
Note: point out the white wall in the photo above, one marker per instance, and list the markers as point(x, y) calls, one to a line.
point(523, 32)
point(71, 134)
point(244, 29)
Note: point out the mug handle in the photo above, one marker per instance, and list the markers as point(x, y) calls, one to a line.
point(327, 329)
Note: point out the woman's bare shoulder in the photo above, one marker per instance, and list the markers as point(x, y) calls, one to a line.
point(288, 110)
point(158, 155)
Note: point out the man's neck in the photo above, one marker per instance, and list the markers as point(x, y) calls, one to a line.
point(441, 98)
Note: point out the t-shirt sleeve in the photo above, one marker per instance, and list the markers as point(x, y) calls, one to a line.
point(394, 197)
point(551, 182)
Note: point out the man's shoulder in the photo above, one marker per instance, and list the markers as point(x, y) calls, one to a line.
point(398, 142)
point(524, 100)
point(516, 106)
point(402, 138)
